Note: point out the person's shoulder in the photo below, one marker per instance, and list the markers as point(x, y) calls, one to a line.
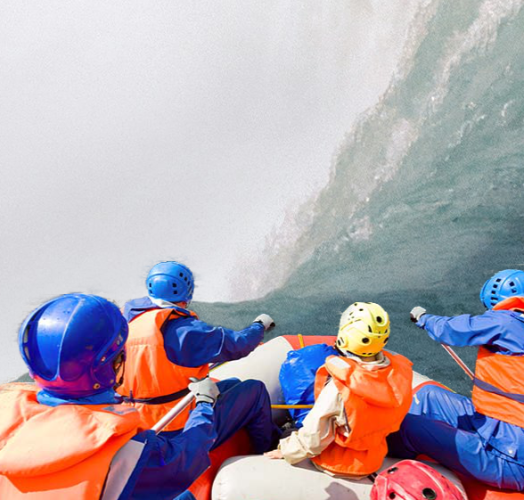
point(504, 316)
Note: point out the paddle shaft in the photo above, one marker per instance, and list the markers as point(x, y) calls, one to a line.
point(459, 361)
point(174, 412)
point(179, 407)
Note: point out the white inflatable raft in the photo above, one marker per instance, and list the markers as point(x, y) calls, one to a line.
point(259, 478)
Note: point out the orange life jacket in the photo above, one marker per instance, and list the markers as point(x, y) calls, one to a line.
point(376, 401)
point(498, 390)
point(58, 453)
point(154, 384)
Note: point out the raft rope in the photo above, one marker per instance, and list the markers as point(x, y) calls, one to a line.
point(459, 361)
point(301, 340)
point(291, 407)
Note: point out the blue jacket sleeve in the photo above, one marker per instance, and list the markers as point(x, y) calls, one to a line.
point(190, 342)
point(171, 463)
point(500, 329)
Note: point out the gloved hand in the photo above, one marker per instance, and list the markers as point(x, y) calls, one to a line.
point(416, 313)
point(266, 320)
point(205, 390)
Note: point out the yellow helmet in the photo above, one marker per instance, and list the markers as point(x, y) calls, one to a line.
point(364, 329)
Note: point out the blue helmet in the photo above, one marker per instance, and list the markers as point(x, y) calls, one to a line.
point(502, 285)
point(72, 345)
point(170, 281)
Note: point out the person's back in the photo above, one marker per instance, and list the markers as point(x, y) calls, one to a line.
point(56, 448)
point(168, 344)
point(361, 395)
point(376, 398)
point(60, 437)
point(153, 384)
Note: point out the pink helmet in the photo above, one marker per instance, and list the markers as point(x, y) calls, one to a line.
point(411, 480)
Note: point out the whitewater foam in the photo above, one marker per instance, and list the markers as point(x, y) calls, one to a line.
point(440, 46)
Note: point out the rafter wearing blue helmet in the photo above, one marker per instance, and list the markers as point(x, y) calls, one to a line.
point(170, 282)
point(504, 284)
point(168, 345)
point(482, 437)
point(72, 420)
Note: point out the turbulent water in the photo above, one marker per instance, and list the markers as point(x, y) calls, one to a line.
point(426, 196)
point(425, 199)
point(236, 106)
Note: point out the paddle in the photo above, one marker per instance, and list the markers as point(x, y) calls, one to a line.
point(173, 413)
point(459, 361)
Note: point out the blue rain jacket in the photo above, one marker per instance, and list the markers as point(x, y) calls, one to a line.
point(175, 459)
point(170, 464)
point(191, 342)
point(446, 426)
point(297, 377)
point(503, 331)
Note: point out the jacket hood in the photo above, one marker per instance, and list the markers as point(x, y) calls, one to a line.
point(136, 307)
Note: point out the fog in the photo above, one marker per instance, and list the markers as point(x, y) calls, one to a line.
point(136, 131)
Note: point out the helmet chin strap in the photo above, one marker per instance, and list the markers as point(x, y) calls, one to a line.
point(119, 365)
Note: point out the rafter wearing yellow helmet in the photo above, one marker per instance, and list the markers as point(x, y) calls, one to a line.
point(363, 330)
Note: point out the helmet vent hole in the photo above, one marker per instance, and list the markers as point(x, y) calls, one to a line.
point(392, 495)
point(495, 286)
point(514, 290)
point(386, 341)
point(379, 319)
point(369, 329)
point(361, 310)
point(429, 494)
point(512, 283)
point(392, 470)
point(365, 340)
point(498, 280)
